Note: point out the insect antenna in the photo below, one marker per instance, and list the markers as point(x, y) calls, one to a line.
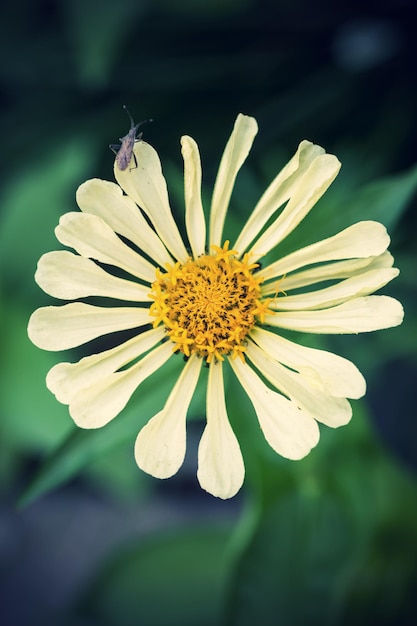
point(132, 123)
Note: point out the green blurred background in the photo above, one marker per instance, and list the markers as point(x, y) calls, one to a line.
point(85, 538)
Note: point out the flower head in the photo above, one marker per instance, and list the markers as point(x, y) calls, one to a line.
point(208, 305)
point(211, 303)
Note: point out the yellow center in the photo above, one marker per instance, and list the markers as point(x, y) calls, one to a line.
point(209, 304)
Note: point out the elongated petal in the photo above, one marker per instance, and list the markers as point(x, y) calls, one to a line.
point(194, 214)
point(220, 464)
point(318, 403)
point(359, 315)
point(98, 404)
point(323, 370)
point(327, 271)
point(68, 276)
point(360, 285)
point(312, 185)
point(91, 237)
point(160, 445)
point(362, 240)
point(234, 155)
point(145, 184)
point(289, 431)
point(65, 380)
point(278, 192)
point(62, 327)
point(106, 200)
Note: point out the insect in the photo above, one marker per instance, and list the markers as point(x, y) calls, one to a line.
point(124, 150)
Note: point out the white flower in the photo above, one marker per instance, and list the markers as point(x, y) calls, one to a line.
point(214, 305)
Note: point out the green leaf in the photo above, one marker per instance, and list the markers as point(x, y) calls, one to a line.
point(290, 573)
point(32, 203)
point(383, 200)
point(337, 544)
point(31, 419)
point(176, 580)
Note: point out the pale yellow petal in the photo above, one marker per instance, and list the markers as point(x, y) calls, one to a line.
point(289, 431)
point(62, 327)
point(278, 192)
point(318, 403)
point(194, 214)
point(220, 464)
point(145, 184)
point(160, 445)
point(68, 276)
point(362, 240)
point(359, 315)
point(91, 237)
point(65, 380)
point(323, 370)
point(234, 155)
point(353, 287)
point(309, 189)
point(327, 271)
point(106, 200)
point(98, 404)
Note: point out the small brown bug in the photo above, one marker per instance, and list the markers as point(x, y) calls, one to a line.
point(124, 150)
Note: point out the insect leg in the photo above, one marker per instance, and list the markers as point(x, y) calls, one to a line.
point(136, 163)
point(115, 147)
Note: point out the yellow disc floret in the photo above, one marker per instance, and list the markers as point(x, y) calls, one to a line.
point(209, 304)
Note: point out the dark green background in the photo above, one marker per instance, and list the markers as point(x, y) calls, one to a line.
point(85, 538)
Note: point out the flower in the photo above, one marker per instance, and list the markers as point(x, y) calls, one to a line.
point(213, 305)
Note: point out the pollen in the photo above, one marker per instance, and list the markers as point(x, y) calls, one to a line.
point(209, 304)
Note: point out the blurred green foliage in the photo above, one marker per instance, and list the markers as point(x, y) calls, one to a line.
point(189, 565)
point(331, 539)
